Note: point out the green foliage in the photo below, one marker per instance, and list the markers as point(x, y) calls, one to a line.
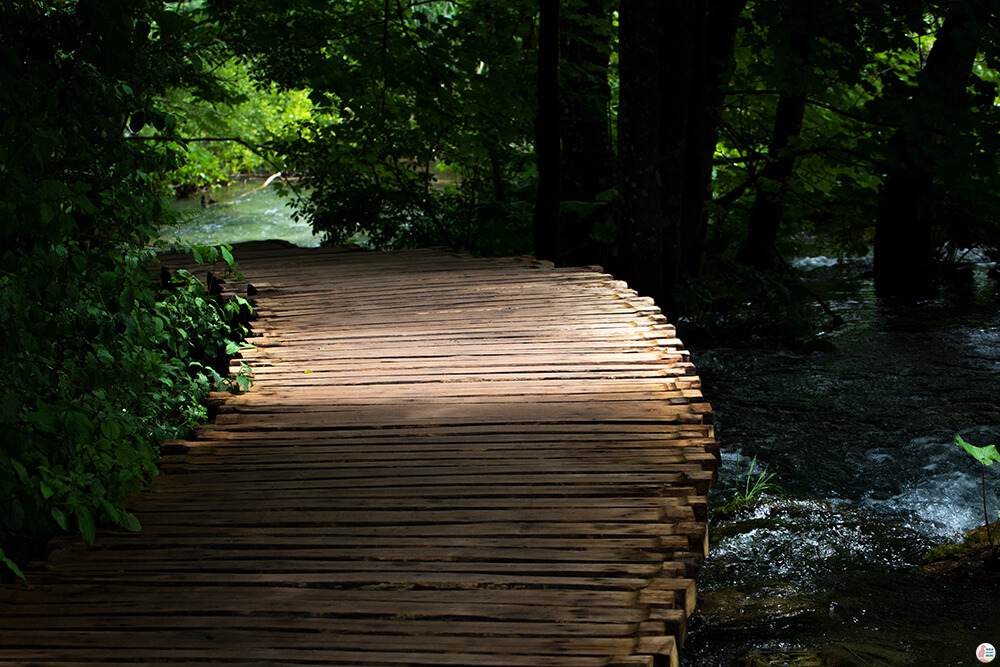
point(731, 302)
point(96, 367)
point(750, 487)
point(986, 456)
point(399, 89)
point(229, 134)
point(96, 370)
point(942, 551)
point(749, 490)
point(859, 72)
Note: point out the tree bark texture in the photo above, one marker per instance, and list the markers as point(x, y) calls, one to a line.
point(670, 107)
point(545, 220)
point(642, 250)
point(904, 243)
point(681, 72)
point(711, 73)
point(587, 159)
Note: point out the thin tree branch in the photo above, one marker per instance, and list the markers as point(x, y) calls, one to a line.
point(257, 150)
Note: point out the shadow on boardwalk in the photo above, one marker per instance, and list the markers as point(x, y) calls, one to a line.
point(444, 461)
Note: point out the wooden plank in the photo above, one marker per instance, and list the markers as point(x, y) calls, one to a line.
point(444, 461)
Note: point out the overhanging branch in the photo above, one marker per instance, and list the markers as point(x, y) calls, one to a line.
point(257, 150)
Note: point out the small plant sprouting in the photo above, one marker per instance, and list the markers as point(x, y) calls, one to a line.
point(748, 488)
point(986, 456)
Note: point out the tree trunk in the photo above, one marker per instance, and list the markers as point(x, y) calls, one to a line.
point(711, 72)
point(759, 250)
point(545, 220)
point(587, 159)
point(642, 243)
point(681, 71)
point(670, 107)
point(791, 39)
point(904, 246)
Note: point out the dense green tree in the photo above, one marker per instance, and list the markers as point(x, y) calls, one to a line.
point(743, 130)
point(402, 90)
point(230, 133)
point(95, 366)
point(935, 112)
point(825, 137)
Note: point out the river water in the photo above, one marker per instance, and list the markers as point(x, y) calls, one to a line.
point(859, 436)
point(240, 212)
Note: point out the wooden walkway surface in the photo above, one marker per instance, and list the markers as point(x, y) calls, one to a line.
point(444, 461)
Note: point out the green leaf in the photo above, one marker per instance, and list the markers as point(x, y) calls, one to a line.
point(104, 355)
point(986, 455)
point(110, 510)
point(11, 565)
point(244, 382)
point(129, 522)
point(170, 22)
point(607, 195)
point(85, 522)
point(21, 471)
point(111, 429)
point(44, 421)
point(60, 518)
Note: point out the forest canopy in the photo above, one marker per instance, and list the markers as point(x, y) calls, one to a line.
point(679, 146)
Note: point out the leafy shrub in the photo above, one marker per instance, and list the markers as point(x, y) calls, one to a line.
point(96, 369)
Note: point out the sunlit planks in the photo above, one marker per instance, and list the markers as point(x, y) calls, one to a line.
point(444, 461)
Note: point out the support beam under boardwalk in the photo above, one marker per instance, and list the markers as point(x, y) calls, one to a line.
point(443, 461)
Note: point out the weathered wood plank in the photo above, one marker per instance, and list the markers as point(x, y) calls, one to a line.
point(444, 461)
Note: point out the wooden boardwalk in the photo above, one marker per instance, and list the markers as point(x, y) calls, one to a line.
point(444, 461)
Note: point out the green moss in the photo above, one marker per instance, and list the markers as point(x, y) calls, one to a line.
point(979, 535)
point(972, 538)
point(942, 551)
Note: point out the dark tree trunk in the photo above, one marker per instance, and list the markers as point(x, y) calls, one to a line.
point(671, 104)
point(587, 159)
point(545, 221)
point(710, 74)
point(760, 248)
point(904, 246)
point(642, 244)
point(681, 71)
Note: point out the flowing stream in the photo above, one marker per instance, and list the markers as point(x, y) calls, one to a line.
point(240, 212)
point(860, 439)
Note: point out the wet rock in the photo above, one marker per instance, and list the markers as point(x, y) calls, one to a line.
point(845, 654)
point(746, 607)
point(974, 559)
point(796, 658)
point(850, 654)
